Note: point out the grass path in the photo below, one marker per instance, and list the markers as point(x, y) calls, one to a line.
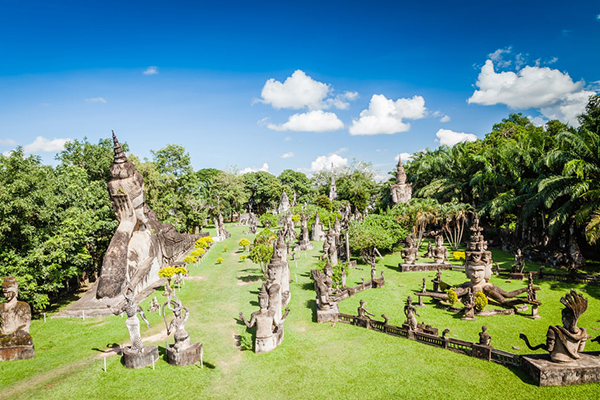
point(320, 361)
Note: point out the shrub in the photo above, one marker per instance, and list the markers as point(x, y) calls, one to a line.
point(219, 260)
point(244, 242)
point(201, 243)
point(481, 301)
point(168, 272)
point(296, 217)
point(452, 297)
point(190, 259)
point(225, 248)
point(459, 255)
point(243, 257)
point(266, 237)
point(199, 252)
point(269, 218)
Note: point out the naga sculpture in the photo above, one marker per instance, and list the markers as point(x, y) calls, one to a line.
point(565, 342)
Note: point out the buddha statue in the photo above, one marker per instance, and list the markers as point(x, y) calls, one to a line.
point(409, 253)
point(440, 252)
point(15, 319)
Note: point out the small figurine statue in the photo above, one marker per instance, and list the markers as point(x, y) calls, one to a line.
point(343, 276)
point(15, 319)
point(531, 290)
point(424, 288)
point(519, 264)
point(266, 324)
point(429, 253)
point(469, 304)
point(410, 311)
point(440, 252)
point(363, 312)
point(437, 281)
point(565, 342)
point(154, 305)
point(373, 272)
point(484, 338)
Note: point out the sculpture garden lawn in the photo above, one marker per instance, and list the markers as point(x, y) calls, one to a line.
point(320, 361)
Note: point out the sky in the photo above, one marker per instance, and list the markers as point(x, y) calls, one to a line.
point(273, 85)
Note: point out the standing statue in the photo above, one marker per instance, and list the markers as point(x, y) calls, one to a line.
point(266, 324)
point(565, 342)
point(429, 253)
point(410, 311)
point(177, 325)
point(183, 352)
point(137, 355)
point(131, 308)
point(154, 305)
point(15, 319)
point(484, 338)
point(324, 287)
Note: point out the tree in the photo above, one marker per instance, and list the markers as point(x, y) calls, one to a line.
point(296, 182)
point(172, 160)
point(590, 119)
point(265, 189)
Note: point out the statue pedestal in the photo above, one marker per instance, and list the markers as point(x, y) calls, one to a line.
point(264, 345)
point(147, 356)
point(545, 372)
point(16, 353)
point(182, 358)
point(517, 276)
point(424, 267)
point(330, 315)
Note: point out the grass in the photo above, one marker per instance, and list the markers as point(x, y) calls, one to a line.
point(319, 361)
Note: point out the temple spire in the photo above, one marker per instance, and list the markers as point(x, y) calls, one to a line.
point(332, 188)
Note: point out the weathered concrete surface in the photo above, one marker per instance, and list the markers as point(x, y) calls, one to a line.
point(142, 359)
point(16, 353)
point(182, 358)
point(545, 372)
point(330, 315)
point(425, 267)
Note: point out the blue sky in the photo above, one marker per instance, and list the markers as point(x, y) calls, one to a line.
point(276, 85)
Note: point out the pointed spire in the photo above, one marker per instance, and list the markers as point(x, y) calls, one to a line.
point(400, 174)
point(120, 156)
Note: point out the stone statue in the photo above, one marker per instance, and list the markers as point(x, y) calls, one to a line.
point(332, 187)
point(141, 245)
point(288, 232)
point(154, 305)
point(565, 342)
point(478, 268)
point(332, 248)
point(305, 243)
point(437, 281)
point(180, 316)
point(469, 303)
point(401, 192)
point(280, 253)
point(410, 311)
point(131, 308)
point(484, 338)
point(363, 312)
point(409, 253)
point(324, 287)
point(519, 264)
point(440, 252)
point(429, 253)
point(284, 203)
point(266, 324)
point(15, 319)
point(318, 229)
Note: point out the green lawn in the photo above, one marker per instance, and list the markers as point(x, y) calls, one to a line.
point(320, 361)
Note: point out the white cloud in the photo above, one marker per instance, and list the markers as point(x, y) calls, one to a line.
point(445, 118)
point(450, 138)
point(598, 17)
point(385, 116)
point(405, 157)
point(341, 150)
point(8, 153)
point(7, 142)
point(301, 91)
point(265, 168)
point(324, 162)
point(287, 139)
point(552, 92)
point(287, 155)
point(96, 100)
point(312, 121)
point(152, 70)
point(43, 145)
point(537, 121)
point(498, 57)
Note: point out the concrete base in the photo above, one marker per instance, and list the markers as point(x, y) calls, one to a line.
point(147, 356)
point(330, 315)
point(182, 358)
point(424, 267)
point(545, 372)
point(16, 353)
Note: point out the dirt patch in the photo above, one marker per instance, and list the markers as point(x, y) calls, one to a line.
point(302, 329)
point(195, 278)
point(100, 324)
point(113, 351)
point(157, 337)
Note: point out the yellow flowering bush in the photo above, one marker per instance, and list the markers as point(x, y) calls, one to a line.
point(459, 255)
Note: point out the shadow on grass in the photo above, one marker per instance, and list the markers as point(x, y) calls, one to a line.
point(312, 305)
point(111, 346)
point(250, 278)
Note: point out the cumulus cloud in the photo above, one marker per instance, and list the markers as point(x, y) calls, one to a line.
point(312, 121)
point(386, 116)
point(498, 56)
point(265, 168)
point(43, 145)
point(301, 91)
point(450, 138)
point(324, 162)
point(287, 155)
point(152, 70)
point(96, 100)
point(7, 142)
point(550, 91)
point(8, 153)
point(405, 157)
